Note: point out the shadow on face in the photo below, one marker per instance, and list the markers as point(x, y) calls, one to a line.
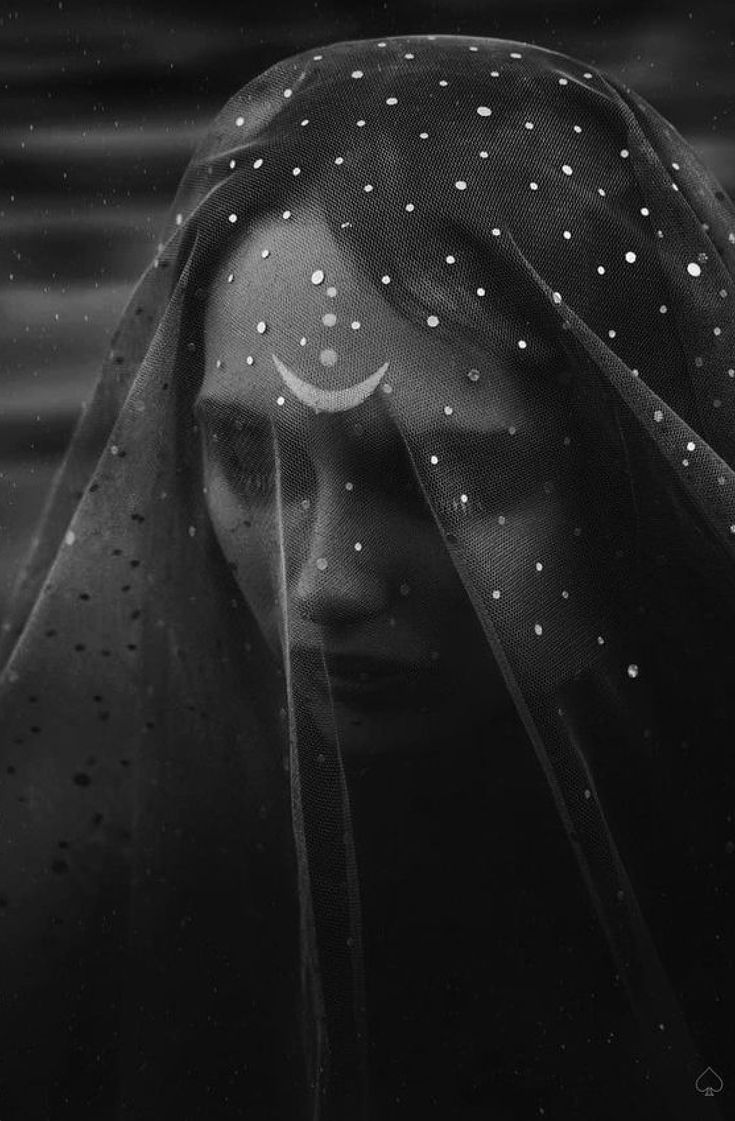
point(313, 496)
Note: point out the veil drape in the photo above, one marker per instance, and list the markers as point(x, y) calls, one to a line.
point(184, 916)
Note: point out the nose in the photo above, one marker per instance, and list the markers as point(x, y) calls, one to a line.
point(341, 577)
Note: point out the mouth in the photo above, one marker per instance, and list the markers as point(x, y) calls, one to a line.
point(369, 682)
point(349, 667)
point(378, 682)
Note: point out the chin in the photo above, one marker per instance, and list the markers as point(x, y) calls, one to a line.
point(397, 723)
point(365, 734)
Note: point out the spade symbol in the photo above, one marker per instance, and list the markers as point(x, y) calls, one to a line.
point(709, 1083)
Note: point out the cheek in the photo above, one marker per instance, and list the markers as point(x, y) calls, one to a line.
point(559, 596)
point(246, 544)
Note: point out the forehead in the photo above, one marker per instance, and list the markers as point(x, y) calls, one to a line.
point(288, 296)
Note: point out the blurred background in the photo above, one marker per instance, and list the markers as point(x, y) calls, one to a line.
point(102, 104)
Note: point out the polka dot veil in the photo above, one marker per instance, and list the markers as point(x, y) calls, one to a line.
point(412, 456)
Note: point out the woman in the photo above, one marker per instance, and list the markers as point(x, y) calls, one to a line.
point(365, 708)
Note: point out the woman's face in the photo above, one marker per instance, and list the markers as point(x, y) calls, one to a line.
point(341, 518)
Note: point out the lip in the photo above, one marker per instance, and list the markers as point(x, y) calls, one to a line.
point(371, 680)
point(348, 665)
point(392, 686)
point(369, 670)
point(358, 687)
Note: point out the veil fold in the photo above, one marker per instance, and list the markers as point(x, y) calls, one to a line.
point(191, 906)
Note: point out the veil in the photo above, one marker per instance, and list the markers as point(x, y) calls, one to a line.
point(198, 873)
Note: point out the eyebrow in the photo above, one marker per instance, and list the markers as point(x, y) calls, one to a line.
point(229, 412)
point(492, 441)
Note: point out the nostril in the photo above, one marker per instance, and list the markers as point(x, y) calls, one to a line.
point(338, 590)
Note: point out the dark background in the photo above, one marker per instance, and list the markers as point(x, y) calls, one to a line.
point(103, 102)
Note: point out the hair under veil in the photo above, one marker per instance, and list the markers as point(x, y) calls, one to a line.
point(211, 905)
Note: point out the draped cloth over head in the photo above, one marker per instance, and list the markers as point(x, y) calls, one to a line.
point(513, 264)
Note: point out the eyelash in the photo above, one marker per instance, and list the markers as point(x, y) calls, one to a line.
point(259, 485)
point(263, 482)
point(454, 506)
point(257, 481)
point(232, 454)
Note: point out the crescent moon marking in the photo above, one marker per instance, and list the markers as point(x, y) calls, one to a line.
point(330, 400)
